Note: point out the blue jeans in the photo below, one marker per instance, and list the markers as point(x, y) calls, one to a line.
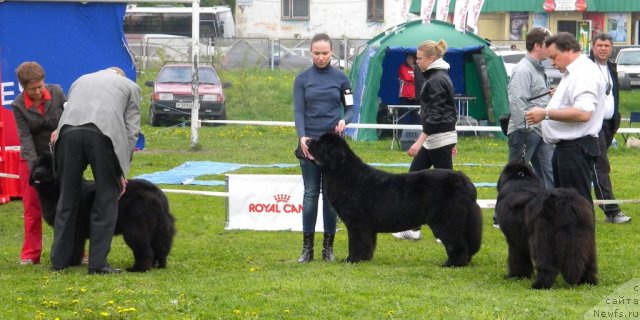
point(312, 179)
point(539, 154)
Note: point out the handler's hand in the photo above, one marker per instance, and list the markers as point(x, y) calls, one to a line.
point(340, 126)
point(535, 115)
point(54, 136)
point(123, 183)
point(305, 149)
point(413, 150)
point(454, 151)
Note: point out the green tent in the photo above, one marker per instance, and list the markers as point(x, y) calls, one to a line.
point(476, 71)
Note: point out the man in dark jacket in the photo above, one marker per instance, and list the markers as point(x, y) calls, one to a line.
point(600, 54)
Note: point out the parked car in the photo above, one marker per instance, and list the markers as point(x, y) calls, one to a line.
point(510, 59)
point(171, 98)
point(628, 61)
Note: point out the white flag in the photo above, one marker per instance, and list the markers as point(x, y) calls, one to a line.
point(426, 9)
point(473, 14)
point(460, 14)
point(442, 10)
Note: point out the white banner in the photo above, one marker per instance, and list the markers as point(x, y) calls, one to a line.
point(426, 10)
point(266, 202)
point(473, 14)
point(460, 14)
point(442, 10)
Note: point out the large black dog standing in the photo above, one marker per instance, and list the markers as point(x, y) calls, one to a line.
point(144, 219)
point(554, 228)
point(370, 201)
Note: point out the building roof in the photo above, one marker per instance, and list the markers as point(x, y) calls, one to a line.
point(536, 6)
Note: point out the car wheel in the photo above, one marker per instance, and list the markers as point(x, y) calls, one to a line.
point(154, 119)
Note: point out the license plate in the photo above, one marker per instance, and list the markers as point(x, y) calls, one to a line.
point(183, 105)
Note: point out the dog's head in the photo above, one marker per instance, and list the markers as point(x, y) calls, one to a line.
point(329, 151)
point(42, 172)
point(516, 170)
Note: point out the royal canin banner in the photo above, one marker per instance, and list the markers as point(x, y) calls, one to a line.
point(266, 202)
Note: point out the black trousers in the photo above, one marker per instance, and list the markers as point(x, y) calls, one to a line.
point(601, 178)
point(573, 164)
point(76, 149)
point(436, 158)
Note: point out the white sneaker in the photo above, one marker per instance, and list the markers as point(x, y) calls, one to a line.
point(618, 218)
point(407, 235)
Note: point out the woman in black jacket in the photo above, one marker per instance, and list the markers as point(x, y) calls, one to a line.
point(438, 115)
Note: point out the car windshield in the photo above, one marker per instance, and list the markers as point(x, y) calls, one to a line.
point(513, 58)
point(183, 75)
point(629, 57)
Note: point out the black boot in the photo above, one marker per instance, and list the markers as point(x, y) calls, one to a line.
point(307, 248)
point(327, 247)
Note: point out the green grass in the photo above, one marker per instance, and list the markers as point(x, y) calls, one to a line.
point(218, 274)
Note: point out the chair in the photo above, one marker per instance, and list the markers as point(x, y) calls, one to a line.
point(634, 117)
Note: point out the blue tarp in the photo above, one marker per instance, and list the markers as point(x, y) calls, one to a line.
point(67, 39)
point(188, 172)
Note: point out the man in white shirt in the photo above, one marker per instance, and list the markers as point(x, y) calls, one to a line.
point(573, 116)
point(600, 54)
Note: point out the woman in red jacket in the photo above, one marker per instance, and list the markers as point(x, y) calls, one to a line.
point(37, 111)
point(407, 80)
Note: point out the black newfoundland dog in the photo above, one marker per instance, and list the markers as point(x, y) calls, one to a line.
point(370, 201)
point(144, 219)
point(550, 230)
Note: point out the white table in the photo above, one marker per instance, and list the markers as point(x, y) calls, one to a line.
point(396, 116)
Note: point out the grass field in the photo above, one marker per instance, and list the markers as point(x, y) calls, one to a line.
point(219, 274)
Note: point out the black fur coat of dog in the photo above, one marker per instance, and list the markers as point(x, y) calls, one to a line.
point(550, 230)
point(144, 219)
point(370, 201)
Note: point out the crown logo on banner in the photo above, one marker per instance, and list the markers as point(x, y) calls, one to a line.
point(282, 197)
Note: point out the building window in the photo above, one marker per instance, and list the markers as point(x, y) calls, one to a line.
point(295, 9)
point(375, 10)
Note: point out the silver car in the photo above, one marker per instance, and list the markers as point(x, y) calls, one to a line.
point(628, 61)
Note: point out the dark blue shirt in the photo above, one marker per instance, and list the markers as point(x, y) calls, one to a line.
point(318, 102)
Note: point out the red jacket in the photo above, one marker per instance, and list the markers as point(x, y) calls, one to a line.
point(407, 81)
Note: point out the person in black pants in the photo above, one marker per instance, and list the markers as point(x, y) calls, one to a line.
point(600, 54)
point(438, 115)
point(99, 127)
point(573, 117)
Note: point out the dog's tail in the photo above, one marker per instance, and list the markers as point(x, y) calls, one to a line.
point(574, 241)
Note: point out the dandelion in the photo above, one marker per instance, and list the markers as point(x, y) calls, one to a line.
point(83, 290)
point(236, 311)
point(88, 310)
point(69, 289)
point(110, 302)
point(105, 314)
point(75, 301)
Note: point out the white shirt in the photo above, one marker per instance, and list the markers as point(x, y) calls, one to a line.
point(608, 103)
point(583, 87)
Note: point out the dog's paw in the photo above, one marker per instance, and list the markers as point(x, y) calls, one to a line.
point(539, 285)
point(136, 269)
point(351, 260)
